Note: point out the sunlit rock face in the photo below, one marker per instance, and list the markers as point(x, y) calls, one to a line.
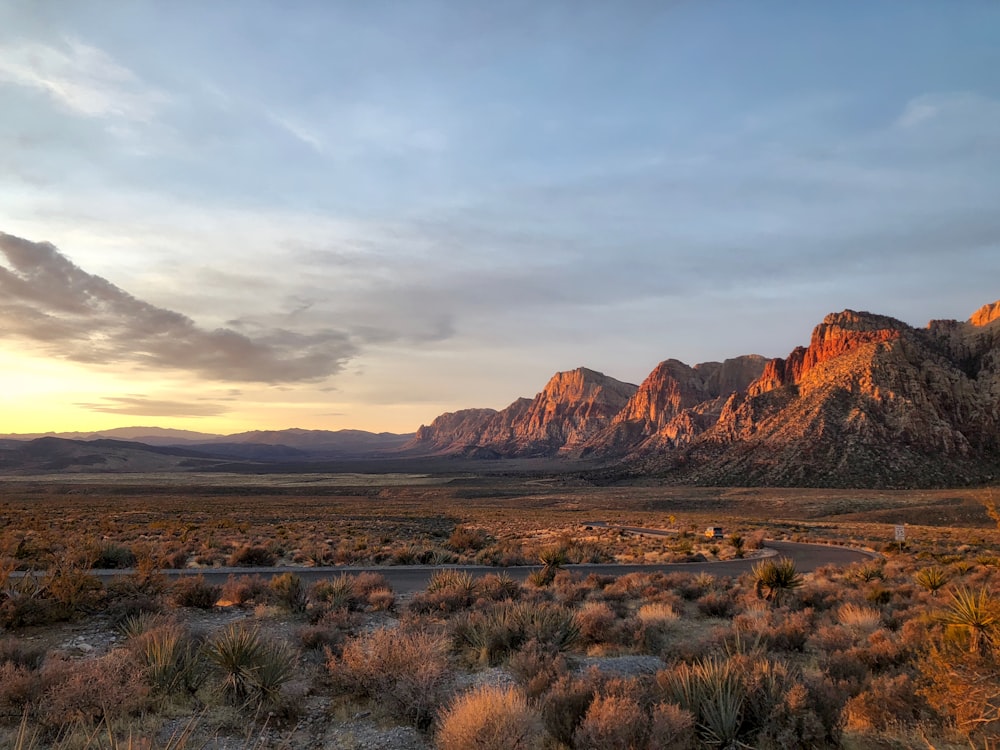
point(871, 402)
point(572, 407)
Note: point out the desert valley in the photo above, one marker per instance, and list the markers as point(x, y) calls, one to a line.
point(538, 576)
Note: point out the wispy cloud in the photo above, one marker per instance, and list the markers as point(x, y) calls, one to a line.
point(48, 300)
point(80, 78)
point(139, 406)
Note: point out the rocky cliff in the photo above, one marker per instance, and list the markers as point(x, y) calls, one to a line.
point(870, 402)
point(571, 408)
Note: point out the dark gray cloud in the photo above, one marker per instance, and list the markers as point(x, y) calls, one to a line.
point(71, 314)
point(139, 406)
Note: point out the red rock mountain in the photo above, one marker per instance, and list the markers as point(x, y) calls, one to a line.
point(871, 402)
point(571, 408)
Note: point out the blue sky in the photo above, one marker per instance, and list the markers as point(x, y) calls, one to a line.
point(344, 214)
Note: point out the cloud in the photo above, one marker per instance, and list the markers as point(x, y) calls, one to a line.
point(74, 315)
point(138, 406)
point(81, 78)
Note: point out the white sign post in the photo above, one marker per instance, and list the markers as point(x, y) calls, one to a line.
point(900, 535)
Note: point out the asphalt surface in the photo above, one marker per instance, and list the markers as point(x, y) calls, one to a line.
point(409, 579)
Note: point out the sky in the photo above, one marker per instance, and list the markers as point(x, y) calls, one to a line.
point(235, 215)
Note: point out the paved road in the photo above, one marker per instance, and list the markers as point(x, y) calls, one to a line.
point(408, 579)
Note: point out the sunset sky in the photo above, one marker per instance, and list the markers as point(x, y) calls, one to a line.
point(223, 216)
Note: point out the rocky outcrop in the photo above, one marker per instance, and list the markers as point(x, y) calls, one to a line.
point(572, 407)
point(870, 402)
point(674, 403)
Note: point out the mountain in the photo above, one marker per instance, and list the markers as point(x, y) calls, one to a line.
point(871, 402)
point(573, 407)
point(51, 454)
point(671, 401)
point(274, 445)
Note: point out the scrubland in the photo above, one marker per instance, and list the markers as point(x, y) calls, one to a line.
point(901, 651)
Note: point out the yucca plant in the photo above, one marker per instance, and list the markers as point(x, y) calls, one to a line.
point(236, 652)
point(337, 593)
point(713, 690)
point(172, 659)
point(772, 578)
point(452, 580)
point(932, 578)
point(135, 625)
point(977, 613)
point(275, 667)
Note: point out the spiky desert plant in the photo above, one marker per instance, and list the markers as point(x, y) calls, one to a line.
point(869, 572)
point(932, 578)
point(336, 593)
point(452, 580)
point(772, 578)
point(713, 690)
point(236, 652)
point(499, 586)
point(135, 625)
point(172, 659)
point(977, 613)
point(737, 542)
point(274, 668)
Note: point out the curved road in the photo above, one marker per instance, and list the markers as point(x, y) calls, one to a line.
point(409, 579)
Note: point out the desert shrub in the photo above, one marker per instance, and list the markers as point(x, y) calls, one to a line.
point(612, 722)
point(790, 633)
point(196, 592)
point(244, 590)
point(318, 635)
point(672, 727)
point(468, 539)
point(536, 668)
point(488, 636)
point(20, 653)
point(886, 703)
point(499, 587)
point(490, 718)
point(113, 556)
point(288, 592)
point(447, 591)
point(406, 670)
point(381, 600)
point(596, 622)
point(565, 704)
point(859, 620)
point(21, 689)
point(964, 688)
point(717, 604)
point(91, 691)
point(252, 557)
